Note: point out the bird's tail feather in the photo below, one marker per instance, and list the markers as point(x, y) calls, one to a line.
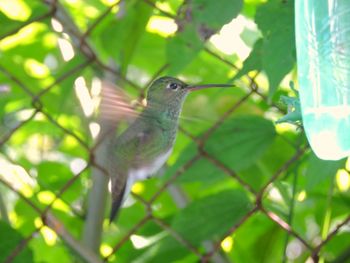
point(117, 201)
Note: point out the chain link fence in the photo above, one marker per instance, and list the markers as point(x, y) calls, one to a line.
point(213, 251)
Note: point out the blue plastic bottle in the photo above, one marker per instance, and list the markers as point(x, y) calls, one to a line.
point(323, 55)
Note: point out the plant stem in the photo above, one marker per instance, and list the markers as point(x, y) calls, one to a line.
point(96, 205)
point(98, 194)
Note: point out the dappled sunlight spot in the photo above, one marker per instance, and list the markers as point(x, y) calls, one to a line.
point(96, 87)
point(24, 114)
point(227, 244)
point(74, 2)
point(17, 176)
point(313, 229)
point(105, 250)
point(36, 69)
point(275, 195)
point(91, 12)
point(301, 196)
point(66, 49)
point(56, 25)
point(94, 128)
point(109, 2)
point(77, 165)
point(69, 142)
point(60, 205)
point(294, 250)
point(284, 126)
point(229, 41)
point(95, 91)
point(51, 62)
point(36, 146)
point(15, 9)
point(26, 190)
point(163, 26)
point(343, 180)
point(139, 242)
point(4, 88)
point(38, 222)
point(164, 6)
point(49, 235)
point(272, 115)
point(83, 95)
point(50, 40)
point(14, 219)
point(138, 188)
point(47, 197)
point(24, 36)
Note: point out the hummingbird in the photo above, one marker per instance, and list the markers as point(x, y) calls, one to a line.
point(143, 148)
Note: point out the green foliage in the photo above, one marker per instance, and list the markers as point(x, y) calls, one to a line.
point(10, 239)
point(275, 52)
point(228, 149)
point(222, 210)
point(201, 19)
point(242, 139)
point(127, 28)
point(320, 171)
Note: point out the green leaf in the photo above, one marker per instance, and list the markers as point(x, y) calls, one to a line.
point(212, 216)
point(253, 61)
point(268, 241)
point(211, 15)
point(7, 24)
point(272, 159)
point(278, 51)
point(320, 171)
point(126, 28)
point(207, 17)
point(186, 43)
point(54, 175)
point(9, 240)
point(240, 141)
point(45, 253)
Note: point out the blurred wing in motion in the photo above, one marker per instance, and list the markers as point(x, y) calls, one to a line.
point(115, 104)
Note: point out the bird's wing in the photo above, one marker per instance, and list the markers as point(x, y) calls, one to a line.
point(115, 104)
point(140, 143)
point(133, 149)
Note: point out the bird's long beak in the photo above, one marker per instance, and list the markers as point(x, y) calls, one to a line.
point(206, 86)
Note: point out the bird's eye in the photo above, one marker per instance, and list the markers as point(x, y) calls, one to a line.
point(173, 86)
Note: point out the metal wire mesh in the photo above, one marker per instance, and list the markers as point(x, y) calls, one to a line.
point(80, 41)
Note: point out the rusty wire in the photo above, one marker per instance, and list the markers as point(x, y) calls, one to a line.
point(92, 60)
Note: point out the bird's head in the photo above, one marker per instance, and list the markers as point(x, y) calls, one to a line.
point(167, 90)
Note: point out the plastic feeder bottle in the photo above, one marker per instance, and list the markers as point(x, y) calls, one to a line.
point(323, 55)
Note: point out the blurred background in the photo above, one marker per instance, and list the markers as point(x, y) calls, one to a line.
point(237, 188)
